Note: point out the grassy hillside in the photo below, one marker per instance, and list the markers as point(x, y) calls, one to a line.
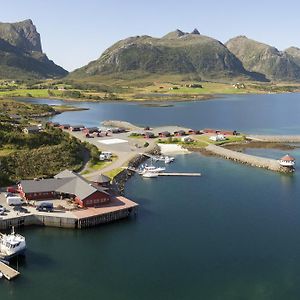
point(264, 59)
point(41, 154)
point(186, 53)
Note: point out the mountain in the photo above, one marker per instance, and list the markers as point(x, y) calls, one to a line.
point(177, 52)
point(21, 53)
point(264, 59)
point(294, 53)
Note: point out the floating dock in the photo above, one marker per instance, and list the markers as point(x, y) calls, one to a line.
point(8, 272)
point(180, 174)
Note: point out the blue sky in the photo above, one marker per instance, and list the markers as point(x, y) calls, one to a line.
point(75, 32)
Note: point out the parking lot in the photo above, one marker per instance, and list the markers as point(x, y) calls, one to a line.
point(61, 207)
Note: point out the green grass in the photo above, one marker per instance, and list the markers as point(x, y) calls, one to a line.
point(113, 173)
point(5, 152)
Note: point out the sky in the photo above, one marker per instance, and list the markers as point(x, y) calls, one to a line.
point(74, 32)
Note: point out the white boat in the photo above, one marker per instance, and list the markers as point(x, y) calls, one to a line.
point(169, 159)
point(151, 169)
point(150, 175)
point(1, 275)
point(11, 244)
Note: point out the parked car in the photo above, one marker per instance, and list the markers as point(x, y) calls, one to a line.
point(9, 195)
point(2, 210)
point(45, 206)
point(21, 209)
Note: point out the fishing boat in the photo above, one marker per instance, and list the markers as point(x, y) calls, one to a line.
point(11, 245)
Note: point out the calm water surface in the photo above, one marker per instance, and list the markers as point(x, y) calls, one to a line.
point(234, 233)
point(250, 113)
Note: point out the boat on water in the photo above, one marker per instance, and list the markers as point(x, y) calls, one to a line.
point(150, 175)
point(11, 245)
point(151, 169)
point(169, 159)
point(165, 159)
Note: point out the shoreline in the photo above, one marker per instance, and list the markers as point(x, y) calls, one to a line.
point(166, 99)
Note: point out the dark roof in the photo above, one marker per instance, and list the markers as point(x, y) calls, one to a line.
point(149, 133)
point(103, 179)
point(64, 182)
point(32, 128)
point(93, 128)
point(165, 132)
point(77, 126)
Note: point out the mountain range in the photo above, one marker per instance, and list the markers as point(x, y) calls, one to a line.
point(21, 54)
point(193, 53)
point(177, 52)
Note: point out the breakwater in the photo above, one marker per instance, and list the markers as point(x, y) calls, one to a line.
point(255, 161)
point(274, 138)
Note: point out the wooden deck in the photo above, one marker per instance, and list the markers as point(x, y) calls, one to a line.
point(179, 174)
point(8, 272)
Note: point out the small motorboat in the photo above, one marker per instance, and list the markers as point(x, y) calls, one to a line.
point(150, 175)
point(169, 159)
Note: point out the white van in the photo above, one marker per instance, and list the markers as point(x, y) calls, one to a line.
point(105, 155)
point(14, 200)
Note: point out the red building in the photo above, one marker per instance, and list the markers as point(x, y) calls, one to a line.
point(180, 133)
point(91, 130)
point(66, 184)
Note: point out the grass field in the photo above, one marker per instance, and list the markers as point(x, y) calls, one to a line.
point(140, 87)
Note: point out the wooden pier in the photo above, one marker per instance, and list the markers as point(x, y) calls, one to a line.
point(8, 272)
point(167, 173)
point(180, 174)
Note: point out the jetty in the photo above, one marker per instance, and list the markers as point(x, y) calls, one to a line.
point(180, 174)
point(274, 138)
point(8, 272)
point(135, 170)
point(252, 160)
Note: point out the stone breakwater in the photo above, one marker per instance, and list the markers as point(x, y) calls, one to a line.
point(255, 161)
point(275, 138)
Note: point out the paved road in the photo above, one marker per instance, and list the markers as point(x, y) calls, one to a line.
point(125, 151)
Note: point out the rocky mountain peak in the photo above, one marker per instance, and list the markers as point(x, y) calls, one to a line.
point(22, 35)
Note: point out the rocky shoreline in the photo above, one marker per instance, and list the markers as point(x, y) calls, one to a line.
point(120, 180)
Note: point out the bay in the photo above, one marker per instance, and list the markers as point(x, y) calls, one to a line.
point(233, 233)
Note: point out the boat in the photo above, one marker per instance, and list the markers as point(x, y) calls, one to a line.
point(150, 175)
point(169, 159)
point(151, 169)
point(1, 275)
point(11, 245)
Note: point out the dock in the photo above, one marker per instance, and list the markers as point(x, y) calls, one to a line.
point(180, 174)
point(8, 272)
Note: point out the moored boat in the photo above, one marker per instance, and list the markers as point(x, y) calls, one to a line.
point(150, 175)
point(11, 245)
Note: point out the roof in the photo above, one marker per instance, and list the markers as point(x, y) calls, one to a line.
point(102, 179)
point(165, 132)
point(77, 126)
point(93, 128)
point(32, 128)
point(287, 158)
point(65, 182)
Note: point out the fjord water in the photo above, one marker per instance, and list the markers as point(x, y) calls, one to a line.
point(233, 233)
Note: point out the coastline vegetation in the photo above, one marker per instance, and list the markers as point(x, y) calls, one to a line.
point(39, 154)
point(136, 88)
